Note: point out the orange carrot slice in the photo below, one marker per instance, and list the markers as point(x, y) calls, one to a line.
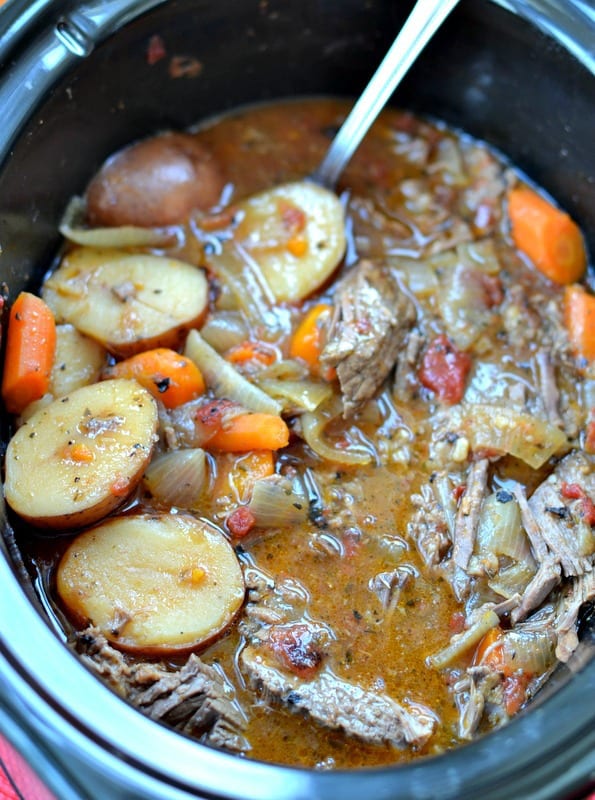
point(251, 432)
point(547, 235)
point(579, 314)
point(30, 349)
point(169, 376)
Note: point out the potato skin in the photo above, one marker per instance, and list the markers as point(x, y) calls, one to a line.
point(153, 183)
point(79, 458)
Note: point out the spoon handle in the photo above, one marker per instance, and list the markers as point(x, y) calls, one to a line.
point(424, 20)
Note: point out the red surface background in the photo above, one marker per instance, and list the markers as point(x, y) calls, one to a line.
point(17, 780)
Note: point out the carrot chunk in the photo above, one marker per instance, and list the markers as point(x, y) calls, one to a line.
point(250, 351)
point(307, 341)
point(547, 235)
point(251, 432)
point(30, 349)
point(579, 313)
point(169, 376)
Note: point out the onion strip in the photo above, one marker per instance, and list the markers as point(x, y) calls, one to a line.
point(276, 504)
point(177, 479)
point(313, 425)
point(121, 236)
point(224, 380)
point(297, 396)
point(462, 642)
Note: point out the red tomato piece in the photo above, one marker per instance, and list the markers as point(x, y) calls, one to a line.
point(296, 648)
point(240, 522)
point(444, 370)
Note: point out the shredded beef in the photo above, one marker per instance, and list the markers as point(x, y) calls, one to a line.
point(472, 691)
point(468, 513)
point(193, 698)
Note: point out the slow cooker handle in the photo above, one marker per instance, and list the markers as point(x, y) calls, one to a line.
point(73, 33)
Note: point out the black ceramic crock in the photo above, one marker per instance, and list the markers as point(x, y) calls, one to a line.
point(76, 84)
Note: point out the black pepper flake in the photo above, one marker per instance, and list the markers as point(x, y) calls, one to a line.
point(503, 496)
point(562, 512)
point(162, 384)
point(299, 506)
point(357, 615)
point(293, 698)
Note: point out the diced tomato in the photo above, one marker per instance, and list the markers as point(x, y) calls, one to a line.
point(296, 648)
point(459, 491)
point(588, 511)
point(209, 419)
point(515, 692)
point(456, 622)
point(240, 522)
point(572, 491)
point(444, 370)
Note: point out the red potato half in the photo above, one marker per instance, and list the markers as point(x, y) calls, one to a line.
point(158, 181)
point(153, 584)
point(127, 302)
point(78, 458)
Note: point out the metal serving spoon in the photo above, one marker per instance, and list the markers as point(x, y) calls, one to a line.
point(424, 20)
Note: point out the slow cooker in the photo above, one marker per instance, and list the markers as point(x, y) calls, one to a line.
point(76, 85)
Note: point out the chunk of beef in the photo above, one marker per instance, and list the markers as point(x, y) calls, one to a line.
point(194, 698)
point(340, 705)
point(468, 513)
point(471, 693)
point(369, 328)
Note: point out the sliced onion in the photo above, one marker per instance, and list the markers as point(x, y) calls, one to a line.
point(297, 396)
point(480, 254)
point(224, 330)
point(313, 431)
point(122, 236)
point(517, 433)
point(224, 380)
point(276, 504)
point(463, 642)
point(512, 580)
point(449, 160)
point(462, 305)
point(500, 531)
point(532, 651)
point(285, 369)
point(177, 479)
point(419, 274)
